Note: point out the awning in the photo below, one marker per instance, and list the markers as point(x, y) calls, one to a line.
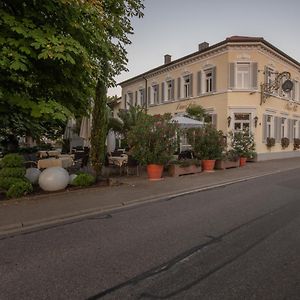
point(186, 122)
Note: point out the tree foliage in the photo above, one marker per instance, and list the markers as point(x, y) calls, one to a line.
point(52, 53)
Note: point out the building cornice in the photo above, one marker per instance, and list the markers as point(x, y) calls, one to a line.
point(249, 43)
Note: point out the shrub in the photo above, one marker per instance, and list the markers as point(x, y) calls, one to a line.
point(207, 142)
point(285, 142)
point(12, 172)
point(270, 142)
point(12, 177)
point(83, 180)
point(183, 163)
point(12, 160)
point(153, 139)
point(7, 182)
point(19, 189)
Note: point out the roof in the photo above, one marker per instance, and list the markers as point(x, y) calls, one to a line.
point(232, 39)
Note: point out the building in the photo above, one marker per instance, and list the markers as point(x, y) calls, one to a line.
point(230, 80)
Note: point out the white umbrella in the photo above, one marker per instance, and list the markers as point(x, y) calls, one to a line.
point(186, 122)
point(68, 134)
point(85, 130)
point(111, 141)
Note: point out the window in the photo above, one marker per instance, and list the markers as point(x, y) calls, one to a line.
point(295, 129)
point(130, 98)
point(283, 127)
point(170, 90)
point(186, 86)
point(241, 122)
point(208, 81)
point(154, 94)
point(270, 126)
point(243, 75)
point(141, 97)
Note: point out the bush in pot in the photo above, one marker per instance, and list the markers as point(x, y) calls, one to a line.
point(153, 140)
point(208, 144)
point(242, 142)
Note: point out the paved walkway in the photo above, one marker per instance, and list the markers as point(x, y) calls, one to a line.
point(30, 212)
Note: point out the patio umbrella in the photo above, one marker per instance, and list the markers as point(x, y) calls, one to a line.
point(69, 130)
point(85, 130)
point(186, 122)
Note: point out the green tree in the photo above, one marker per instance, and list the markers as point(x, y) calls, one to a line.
point(52, 53)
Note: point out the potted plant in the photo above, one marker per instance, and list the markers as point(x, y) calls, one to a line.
point(153, 142)
point(230, 159)
point(285, 142)
point(296, 144)
point(242, 142)
point(270, 142)
point(208, 145)
point(184, 167)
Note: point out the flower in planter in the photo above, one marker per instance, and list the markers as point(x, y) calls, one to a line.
point(285, 142)
point(242, 142)
point(296, 144)
point(270, 142)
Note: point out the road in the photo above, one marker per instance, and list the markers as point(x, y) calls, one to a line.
point(241, 241)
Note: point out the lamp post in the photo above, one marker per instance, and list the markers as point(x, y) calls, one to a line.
point(268, 88)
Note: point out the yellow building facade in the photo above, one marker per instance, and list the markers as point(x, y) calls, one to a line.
point(227, 80)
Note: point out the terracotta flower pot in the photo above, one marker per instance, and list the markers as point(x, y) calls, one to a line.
point(208, 164)
point(154, 171)
point(243, 161)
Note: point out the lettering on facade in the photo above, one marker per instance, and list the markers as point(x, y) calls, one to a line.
point(184, 106)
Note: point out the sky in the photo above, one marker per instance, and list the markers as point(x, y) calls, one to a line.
point(176, 27)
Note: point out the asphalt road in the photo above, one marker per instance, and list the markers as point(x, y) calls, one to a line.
point(241, 241)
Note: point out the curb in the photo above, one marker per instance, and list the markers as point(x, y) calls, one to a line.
point(20, 227)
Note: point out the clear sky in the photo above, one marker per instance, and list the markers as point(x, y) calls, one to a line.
point(176, 27)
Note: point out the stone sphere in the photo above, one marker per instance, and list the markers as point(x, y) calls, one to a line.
point(71, 178)
point(54, 179)
point(33, 174)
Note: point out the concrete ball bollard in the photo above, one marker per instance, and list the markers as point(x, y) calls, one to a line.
point(54, 179)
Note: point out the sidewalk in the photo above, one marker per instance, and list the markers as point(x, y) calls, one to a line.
point(16, 215)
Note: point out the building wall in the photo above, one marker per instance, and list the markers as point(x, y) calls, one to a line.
point(227, 101)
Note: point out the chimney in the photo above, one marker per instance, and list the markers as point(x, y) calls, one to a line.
point(167, 59)
point(203, 46)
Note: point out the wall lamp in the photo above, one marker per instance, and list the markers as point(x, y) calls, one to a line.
point(255, 121)
point(228, 121)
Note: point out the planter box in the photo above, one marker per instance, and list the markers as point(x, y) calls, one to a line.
point(226, 164)
point(177, 170)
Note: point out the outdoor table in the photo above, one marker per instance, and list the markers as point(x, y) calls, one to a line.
point(64, 162)
point(118, 161)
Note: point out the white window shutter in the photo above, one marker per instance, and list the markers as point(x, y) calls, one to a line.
point(231, 76)
point(264, 133)
point(199, 78)
point(178, 87)
point(277, 129)
point(254, 75)
point(162, 92)
point(191, 86)
point(214, 79)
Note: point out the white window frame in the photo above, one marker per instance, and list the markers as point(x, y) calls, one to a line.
point(270, 126)
point(297, 91)
point(186, 86)
point(141, 97)
point(295, 129)
point(154, 94)
point(208, 80)
point(242, 122)
point(130, 98)
point(168, 90)
point(243, 86)
point(283, 127)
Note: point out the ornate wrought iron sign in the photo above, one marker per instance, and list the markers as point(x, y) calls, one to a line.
point(268, 88)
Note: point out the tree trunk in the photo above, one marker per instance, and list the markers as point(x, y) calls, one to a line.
point(99, 128)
